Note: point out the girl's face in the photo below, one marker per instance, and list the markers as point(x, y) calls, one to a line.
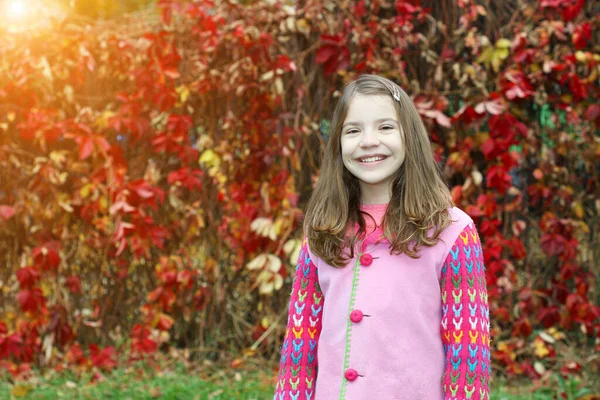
point(372, 144)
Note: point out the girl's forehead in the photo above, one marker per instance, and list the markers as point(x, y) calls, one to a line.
point(370, 107)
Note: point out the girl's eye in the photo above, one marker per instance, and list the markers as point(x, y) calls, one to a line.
point(351, 131)
point(387, 127)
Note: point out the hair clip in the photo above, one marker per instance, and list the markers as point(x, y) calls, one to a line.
point(396, 94)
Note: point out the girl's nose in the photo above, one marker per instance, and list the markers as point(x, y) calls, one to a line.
point(369, 139)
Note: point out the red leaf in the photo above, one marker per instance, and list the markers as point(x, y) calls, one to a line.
point(47, 256)
point(488, 149)
point(10, 346)
point(571, 11)
point(31, 300)
point(7, 212)
point(592, 113)
point(582, 35)
point(86, 148)
point(324, 53)
point(497, 178)
point(155, 294)
point(334, 54)
point(74, 284)
point(141, 343)
point(522, 327)
point(468, 115)
point(103, 359)
point(102, 143)
point(164, 323)
point(27, 277)
point(75, 355)
point(553, 243)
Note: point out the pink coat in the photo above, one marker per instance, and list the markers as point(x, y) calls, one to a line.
point(388, 326)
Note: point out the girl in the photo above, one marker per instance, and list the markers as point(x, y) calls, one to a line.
point(389, 297)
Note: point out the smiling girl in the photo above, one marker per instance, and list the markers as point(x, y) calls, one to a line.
point(389, 297)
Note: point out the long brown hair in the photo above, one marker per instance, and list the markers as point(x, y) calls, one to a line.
point(419, 201)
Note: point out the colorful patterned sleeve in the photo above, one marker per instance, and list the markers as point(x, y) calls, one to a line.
point(298, 365)
point(465, 325)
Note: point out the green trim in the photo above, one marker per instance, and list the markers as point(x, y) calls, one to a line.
point(355, 277)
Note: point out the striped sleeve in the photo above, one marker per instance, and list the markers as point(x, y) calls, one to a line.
point(298, 364)
point(465, 324)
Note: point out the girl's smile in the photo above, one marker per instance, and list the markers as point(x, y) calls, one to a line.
point(371, 159)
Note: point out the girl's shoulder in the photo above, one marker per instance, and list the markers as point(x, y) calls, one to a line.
point(459, 220)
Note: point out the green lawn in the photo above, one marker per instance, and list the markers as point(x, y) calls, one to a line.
point(135, 384)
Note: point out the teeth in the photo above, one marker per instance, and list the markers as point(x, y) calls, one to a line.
point(372, 159)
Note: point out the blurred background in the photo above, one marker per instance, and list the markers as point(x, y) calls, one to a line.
point(156, 156)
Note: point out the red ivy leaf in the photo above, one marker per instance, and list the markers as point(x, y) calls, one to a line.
point(103, 359)
point(46, 256)
point(86, 148)
point(582, 35)
point(165, 322)
point(74, 284)
point(28, 277)
point(571, 11)
point(75, 355)
point(141, 342)
point(498, 178)
point(334, 54)
point(553, 243)
point(31, 300)
point(10, 346)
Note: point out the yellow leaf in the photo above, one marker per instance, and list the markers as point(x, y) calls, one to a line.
point(580, 56)
point(104, 118)
point(502, 346)
point(502, 53)
point(85, 191)
point(578, 209)
point(184, 93)
point(20, 390)
point(584, 227)
point(11, 116)
point(280, 225)
point(303, 26)
point(540, 348)
point(102, 203)
point(265, 322)
point(486, 55)
point(58, 157)
point(210, 158)
point(503, 43)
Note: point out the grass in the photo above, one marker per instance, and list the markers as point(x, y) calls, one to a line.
point(179, 383)
point(131, 385)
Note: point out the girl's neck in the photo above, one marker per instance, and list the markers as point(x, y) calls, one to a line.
point(373, 194)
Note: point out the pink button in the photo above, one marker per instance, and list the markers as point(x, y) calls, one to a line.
point(356, 316)
point(366, 260)
point(351, 374)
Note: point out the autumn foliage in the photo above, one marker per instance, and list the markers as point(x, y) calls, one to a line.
point(152, 175)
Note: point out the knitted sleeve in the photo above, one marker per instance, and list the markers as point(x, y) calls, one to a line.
point(465, 325)
point(298, 365)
